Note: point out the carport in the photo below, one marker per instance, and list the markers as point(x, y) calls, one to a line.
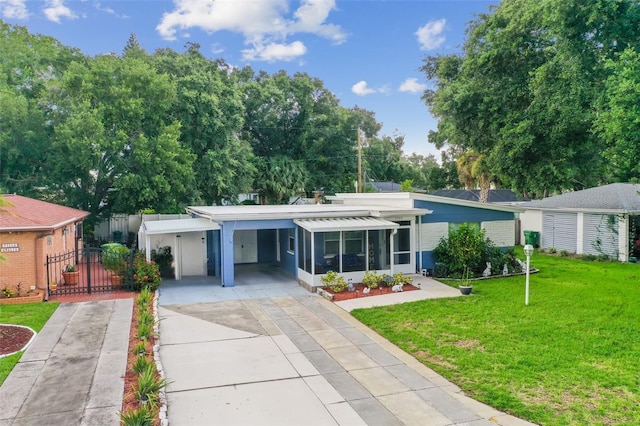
point(187, 239)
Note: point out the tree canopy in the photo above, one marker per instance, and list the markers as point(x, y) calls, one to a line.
point(159, 131)
point(527, 91)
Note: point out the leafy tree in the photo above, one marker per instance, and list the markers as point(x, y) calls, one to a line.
point(280, 177)
point(618, 123)
point(383, 159)
point(209, 106)
point(297, 117)
point(115, 148)
point(27, 64)
point(524, 93)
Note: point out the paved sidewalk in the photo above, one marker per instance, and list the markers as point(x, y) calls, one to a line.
point(73, 371)
point(299, 360)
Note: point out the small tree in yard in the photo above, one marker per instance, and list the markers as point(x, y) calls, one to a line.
point(467, 247)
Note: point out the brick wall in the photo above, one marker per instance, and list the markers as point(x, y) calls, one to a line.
point(27, 266)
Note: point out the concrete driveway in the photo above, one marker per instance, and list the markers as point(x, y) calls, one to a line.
point(299, 359)
point(73, 372)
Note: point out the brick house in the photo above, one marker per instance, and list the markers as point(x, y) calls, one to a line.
point(29, 231)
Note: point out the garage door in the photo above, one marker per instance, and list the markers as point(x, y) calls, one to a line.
point(559, 230)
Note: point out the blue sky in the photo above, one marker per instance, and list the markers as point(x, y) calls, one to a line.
point(367, 52)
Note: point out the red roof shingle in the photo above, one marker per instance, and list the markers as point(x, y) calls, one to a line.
point(30, 214)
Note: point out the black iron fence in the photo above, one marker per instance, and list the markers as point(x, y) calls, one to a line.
point(83, 272)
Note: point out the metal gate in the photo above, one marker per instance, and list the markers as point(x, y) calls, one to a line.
point(83, 273)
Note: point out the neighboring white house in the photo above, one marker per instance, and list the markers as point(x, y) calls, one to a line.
point(601, 221)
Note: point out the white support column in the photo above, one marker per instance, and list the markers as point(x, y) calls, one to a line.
point(147, 246)
point(623, 238)
point(580, 233)
point(391, 247)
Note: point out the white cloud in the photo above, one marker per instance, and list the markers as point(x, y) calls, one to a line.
point(216, 48)
point(274, 52)
point(14, 9)
point(311, 14)
point(266, 25)
point(362, 89)
point(430, 35)
point(56, 9)
point(411, 85)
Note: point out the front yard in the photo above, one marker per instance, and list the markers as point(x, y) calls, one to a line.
point(34, 315)
point(571, 357)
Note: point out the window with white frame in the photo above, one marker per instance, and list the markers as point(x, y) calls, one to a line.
point(331, 243)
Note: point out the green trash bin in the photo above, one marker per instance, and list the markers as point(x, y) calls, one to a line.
point(532, 237)
point(117, 236)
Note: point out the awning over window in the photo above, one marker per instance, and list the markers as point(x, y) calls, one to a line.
point(179, 225)
point(345, 224)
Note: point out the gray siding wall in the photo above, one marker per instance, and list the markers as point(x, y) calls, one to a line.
point(600, 234)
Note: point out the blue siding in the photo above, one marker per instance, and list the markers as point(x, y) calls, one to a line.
point(458, 214)
point(213, 253)
point(450, 213)
point(267, 245)
point(287, 260)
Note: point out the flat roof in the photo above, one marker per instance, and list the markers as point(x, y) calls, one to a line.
point(350, 198)
point(179, 225)
point(300, 211)
point(345, 224)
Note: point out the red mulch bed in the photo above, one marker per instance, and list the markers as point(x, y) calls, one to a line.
point(13, 339)
point(347, 295)
point(129, 401)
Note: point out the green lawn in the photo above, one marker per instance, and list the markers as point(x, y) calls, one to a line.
point(34, 315)
point(571, 357)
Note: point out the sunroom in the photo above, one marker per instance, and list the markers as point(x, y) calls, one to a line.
point(350, 246)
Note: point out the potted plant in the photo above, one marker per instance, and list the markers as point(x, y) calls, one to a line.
point(465, 283)
point(53, 286)
point(70, 275)
point(114, 260)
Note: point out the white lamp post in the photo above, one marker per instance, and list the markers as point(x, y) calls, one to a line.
point(528, 251)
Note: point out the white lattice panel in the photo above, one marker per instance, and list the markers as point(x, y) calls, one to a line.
point(430, 234)
point(501, 232)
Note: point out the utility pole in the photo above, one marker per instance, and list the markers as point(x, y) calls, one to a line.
point(359, 162)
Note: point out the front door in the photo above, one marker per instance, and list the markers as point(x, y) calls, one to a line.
point(402, 254)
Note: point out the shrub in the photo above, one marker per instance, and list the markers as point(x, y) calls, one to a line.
point(140, 417)
point(144, 331)
point(163, 257)
point(144, 298)
point(387, 280)
point(401, 279)
point(7, 292)
point(467, 251)
point(148, 386)
point(371, 279)
point(145, 317)
point(140, 348)
point(334, 282)
point(145, 274)
point(140, 364)
point(115, 257)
